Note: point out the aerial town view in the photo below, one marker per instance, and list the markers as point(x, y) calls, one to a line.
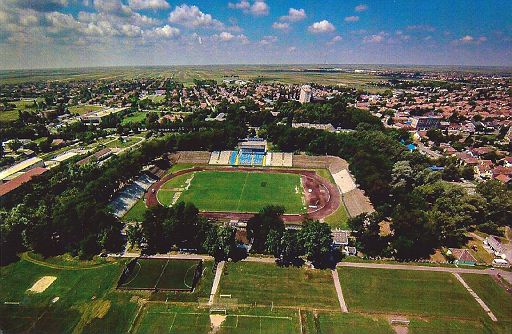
point(256, 166)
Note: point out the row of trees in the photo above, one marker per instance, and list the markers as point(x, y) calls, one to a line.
point(181, 227)
point(66, 209)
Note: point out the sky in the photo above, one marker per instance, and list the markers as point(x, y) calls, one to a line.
point(84, 33)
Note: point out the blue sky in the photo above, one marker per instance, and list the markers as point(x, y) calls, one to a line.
point(71, 33)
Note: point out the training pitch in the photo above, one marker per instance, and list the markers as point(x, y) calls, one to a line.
point(237, 191)
point(161, 274)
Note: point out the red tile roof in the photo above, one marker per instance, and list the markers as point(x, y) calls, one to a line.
point(7, 187)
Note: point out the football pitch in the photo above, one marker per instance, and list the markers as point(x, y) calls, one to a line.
point(219, 191)
point(159, 274)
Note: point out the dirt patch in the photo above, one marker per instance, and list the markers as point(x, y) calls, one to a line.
point(42, 284)
point(399, 323)
point(216, 321)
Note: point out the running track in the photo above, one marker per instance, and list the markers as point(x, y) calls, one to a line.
point(333, 200)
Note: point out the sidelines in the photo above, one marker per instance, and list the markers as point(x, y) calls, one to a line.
point(339, 292)
point(479, 301)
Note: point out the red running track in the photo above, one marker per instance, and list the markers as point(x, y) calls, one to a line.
point(323, 199)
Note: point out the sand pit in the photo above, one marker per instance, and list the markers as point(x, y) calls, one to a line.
point(216, 320)
point(42, 284)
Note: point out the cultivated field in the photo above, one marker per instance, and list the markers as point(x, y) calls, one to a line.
point(237, 191)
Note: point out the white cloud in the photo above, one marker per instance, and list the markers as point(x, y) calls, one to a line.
point(281, 26)
point(361, 8)
point(192, 17)
point(468, 39)
point(292, 49)
point(294, 15)
point(267, 40)
point(164, 32)
point(244, 5)
point(114, 7)
point(377, 38)
point(148, 4)
point(353, 18)
point(130, 30)
point(335, 40)
point(228, 37)
point(323, 26)
point(258, 8)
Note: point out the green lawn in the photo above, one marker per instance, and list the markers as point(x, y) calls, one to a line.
point(173, 318)
point(339, 218)
point(82, 109)
point(419, 293)
point(136, 213)
point(136, 117)
point(161, 273)
point(264, 283)
point(86, 297)
point(331, 323)
point(243, 191)
point(178, 181)
point(495, 296)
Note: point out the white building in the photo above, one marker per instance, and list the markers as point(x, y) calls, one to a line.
point(305, 94)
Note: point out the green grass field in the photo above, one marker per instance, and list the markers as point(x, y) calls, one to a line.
point(418, 293)
point(136, 117)
point(242, 191)
point(351, 323)
point(162, 318)
point(136, 213)
point(498, 300)
point(264, 283)
point(162, 274)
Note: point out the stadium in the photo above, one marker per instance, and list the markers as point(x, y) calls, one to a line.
point(234, 185)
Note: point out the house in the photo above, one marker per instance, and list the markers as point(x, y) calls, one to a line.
point(13, 184)
point(494, 244)
point(98, 156)
point(339, 238)
point(462, 256)
point(17, 170)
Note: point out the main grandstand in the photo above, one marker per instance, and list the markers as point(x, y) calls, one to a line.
point(251, 152)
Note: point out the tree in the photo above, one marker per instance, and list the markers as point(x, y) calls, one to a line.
point(220, 242)
point(15, 145)
point(260, 225)
point(316, 239)
point(365, 228)
point(134, 234)
point(291, 247)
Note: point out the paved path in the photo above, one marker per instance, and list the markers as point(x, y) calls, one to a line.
point(216, 281)
point(479, 301)
point(504, 274)
point(337, 285)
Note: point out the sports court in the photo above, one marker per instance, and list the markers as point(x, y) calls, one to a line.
point(161, 274)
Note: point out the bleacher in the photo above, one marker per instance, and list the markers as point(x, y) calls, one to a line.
point(245, 159)
point(258, 159)
point(232, 158)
